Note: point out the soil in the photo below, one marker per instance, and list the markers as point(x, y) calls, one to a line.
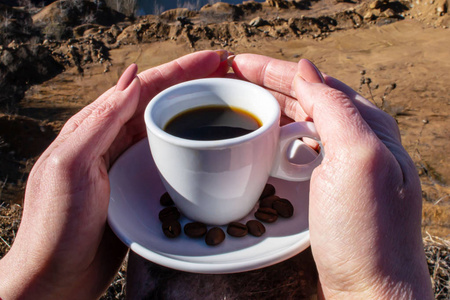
point(394, 53)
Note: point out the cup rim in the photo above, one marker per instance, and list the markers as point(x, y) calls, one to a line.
point(200, 144)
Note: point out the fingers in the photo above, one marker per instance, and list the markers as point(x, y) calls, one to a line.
point(380, 122)
point(127, 77)
point(112, 109)
point(309, 72)
point(268, 72)
point(99, 129)
point(350, 125)
point(290, 107)
point(337, 120)
point(192, 66)
point(76, 120)
point(276, 76)
point(383, 126)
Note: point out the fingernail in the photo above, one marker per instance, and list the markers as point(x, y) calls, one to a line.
point(309, 72)
point(223, 54)
point(318, 73)
point(230, 60)
point(127, 77)
point(317, 70)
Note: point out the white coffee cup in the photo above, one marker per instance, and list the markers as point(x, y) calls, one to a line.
point(220, 181)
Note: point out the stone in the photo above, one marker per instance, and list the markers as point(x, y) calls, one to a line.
point(388, 13)
point(277, 3)
point(376, 4)
point(258, 21)
point(369, 16)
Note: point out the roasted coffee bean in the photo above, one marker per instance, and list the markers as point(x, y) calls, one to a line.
point(255, 228)
point(283, 207)
point(169, 213)
point(171, 228)
point(166, 200)
point(269, 190)
point(237, 229)
point(266, 214)
point(215, 236)
point(268, 201)
point(195, 229)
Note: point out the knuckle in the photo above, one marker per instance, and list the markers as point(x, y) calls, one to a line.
point(373, 158)
point(70, 126)
point(336, 95)
point(344, 111)
point(60, 163)
point(106, 109)
point(57, 161)
point(338, 101)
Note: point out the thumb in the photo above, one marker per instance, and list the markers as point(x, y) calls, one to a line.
point(337, 120)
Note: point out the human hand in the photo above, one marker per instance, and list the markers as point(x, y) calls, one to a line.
point(64, 248)
point(365, 199)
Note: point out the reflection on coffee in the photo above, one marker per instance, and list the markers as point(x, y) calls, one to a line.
point(208, 123)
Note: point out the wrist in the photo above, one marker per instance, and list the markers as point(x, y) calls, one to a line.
point(408, 282)
point(386, 290)
point(14, 283)
point(22, 276)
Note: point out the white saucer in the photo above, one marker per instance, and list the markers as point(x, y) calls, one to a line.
point(133, 216)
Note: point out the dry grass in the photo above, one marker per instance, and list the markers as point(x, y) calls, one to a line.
point(10, 216)
point(117, 288)
point(437, 251)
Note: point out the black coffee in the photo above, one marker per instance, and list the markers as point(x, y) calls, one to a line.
point(208, 123)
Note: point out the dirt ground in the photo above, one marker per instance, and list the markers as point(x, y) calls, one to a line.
point(402, 66)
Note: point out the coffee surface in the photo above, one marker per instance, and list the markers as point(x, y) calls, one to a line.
point(209, 123)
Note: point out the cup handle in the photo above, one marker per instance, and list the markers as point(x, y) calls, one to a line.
point(282, 167)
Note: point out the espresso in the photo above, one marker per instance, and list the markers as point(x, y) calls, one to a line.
point(209, 123)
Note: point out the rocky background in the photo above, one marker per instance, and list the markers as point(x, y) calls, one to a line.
point(56, 57)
